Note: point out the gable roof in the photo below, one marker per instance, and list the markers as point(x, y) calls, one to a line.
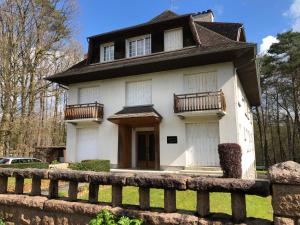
point(216, 43)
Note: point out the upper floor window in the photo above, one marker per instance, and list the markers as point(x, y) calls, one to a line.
point(173, 39)
point(107, 52)
point(138, 93)
point(138, 46)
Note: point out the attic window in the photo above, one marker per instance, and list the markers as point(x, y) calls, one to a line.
point(173, 39)
point(107, 52)
point(138, 46)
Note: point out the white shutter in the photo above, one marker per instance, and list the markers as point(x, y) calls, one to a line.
point(87, 144)
point(202, 144)
point(173, 39)
point(201, 82)
point(89, 95)
point(138, 93)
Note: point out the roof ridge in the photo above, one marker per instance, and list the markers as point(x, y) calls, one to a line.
point(220, 22)
point(167, 13)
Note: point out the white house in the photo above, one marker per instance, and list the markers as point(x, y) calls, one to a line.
point(163, 94)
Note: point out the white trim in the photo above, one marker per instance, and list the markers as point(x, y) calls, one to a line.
point(135, 39)
point(109, 44)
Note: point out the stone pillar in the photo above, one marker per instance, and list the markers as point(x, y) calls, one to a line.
point(3, 184)
point(285, 179)
point(144, 194)
point(203, 203)
point(117, 195)
point(170, 200)
point(19, 188)
point(36, 186)
point(93, 192)
point(238, 206)
point(73, 190)
point(53, 189)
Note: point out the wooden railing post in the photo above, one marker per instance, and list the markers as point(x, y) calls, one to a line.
point(73, 190)
point(36, 186)
point(53, 189)
point(203, 205)
point(19, 187)
point(170, 200)
point(3, 184)
point(93, 192)
point(144, 198)
point(117, 195)
point(238, 206)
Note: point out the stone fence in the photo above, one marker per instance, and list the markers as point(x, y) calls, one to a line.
point(17, 208)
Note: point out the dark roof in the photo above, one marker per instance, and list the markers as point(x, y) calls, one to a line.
point(138, 110)
point(216, 43)
point(229, 30)
point(168, 14)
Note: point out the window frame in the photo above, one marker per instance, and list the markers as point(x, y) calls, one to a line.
point(102, 53)
point(136, 39)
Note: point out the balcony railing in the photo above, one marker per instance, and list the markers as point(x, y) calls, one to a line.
point(199, 102)
point(84, 111)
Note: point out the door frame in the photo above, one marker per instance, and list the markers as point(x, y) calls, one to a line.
point(125, 145)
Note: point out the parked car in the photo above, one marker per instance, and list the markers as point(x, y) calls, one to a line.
point(14, 160)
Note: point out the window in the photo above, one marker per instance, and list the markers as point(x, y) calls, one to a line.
point(88, 95)
point(138, 93)
point(173, 39)
point(107, 52)
point(139, 46)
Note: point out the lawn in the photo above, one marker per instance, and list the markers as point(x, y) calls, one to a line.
point(220, 202)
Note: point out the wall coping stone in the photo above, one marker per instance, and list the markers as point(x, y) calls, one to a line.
point(23, 200)
point(166, 181)
point(285, 173)
point(249, 187)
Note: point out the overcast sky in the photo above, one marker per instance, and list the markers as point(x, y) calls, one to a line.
point(263, 19)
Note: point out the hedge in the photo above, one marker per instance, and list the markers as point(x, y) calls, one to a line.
point(36, 165)
point(91, 165)
point(230, 160)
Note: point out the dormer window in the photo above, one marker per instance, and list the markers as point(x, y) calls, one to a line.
point(138, 46)
point(107, 52)
point(173, 39)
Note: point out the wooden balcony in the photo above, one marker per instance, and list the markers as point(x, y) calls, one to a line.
point(203, 103)
point(84, 112)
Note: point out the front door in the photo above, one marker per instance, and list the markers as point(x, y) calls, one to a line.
point(145, 150)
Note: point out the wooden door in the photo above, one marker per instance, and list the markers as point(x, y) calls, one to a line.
point(145, 146)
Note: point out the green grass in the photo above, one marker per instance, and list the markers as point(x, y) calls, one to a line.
point(220, 202)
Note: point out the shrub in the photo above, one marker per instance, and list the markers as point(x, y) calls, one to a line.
point(91, 165)
point(230, 160)
point(36, 165)
point(2, 222)
point(107, 218)
point(55, 162)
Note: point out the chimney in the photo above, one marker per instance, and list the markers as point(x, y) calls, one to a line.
point(205, 16)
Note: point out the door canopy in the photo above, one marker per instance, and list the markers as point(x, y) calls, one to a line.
point(136, 116)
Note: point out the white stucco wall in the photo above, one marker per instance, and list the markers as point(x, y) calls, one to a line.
point(164, 85)
point(245, 131)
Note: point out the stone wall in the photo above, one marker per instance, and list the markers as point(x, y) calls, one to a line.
point(285, 178)
point(21, 209)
